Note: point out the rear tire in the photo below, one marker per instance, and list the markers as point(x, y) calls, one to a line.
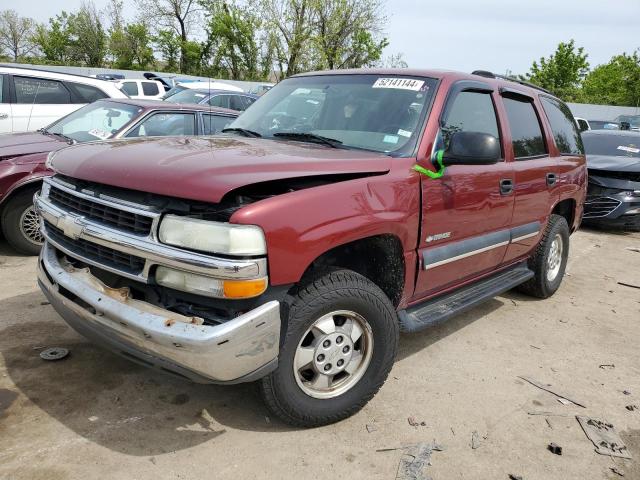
point(340, 344)
point(549, 259)
point(21, 224)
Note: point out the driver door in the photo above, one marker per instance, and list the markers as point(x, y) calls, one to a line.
point(466, 213)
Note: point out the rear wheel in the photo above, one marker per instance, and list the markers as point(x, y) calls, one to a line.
point(21, 223)
point(340, 344)
point(549, 259)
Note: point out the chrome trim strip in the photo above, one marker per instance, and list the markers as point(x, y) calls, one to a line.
point(464, 255)
point(523, 237)
point(153, 252)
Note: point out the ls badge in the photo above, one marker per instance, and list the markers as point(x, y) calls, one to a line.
point(438, 236)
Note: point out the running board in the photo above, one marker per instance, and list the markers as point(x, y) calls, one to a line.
point(433, 312)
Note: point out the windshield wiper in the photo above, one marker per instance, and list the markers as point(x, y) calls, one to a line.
point(310, 137)
point(70, 141)
point(242, 131)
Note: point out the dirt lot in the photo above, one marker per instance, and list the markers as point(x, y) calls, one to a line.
point(94, 415)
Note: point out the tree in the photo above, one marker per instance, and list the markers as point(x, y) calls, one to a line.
point(88, 42)
point(16, 34)
point(614, 83)
point(168, 43)
point(563, 72)
point(346, 33)
point(173, 15)
point(232, 41)
point(395, 60)
point(130, 47)
point(54, 40)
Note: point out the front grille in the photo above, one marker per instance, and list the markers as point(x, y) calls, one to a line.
point(97, 253)
point(599, 206)
point(110, 216)
point(631, 176)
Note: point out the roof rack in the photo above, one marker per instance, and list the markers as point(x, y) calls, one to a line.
point(486, 74)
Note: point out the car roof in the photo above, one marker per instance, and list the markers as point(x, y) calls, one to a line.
point(161, 105)
point(53, 73)
point(478, 75)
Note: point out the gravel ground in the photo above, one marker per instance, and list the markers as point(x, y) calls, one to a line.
point(95, 415)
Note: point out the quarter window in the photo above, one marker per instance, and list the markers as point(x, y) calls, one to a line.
point(150, 89)
point(214, 123)
point(565, 132)
point(526, 133)
point(86, 93)
point(165, 124)
point(220, 101)
point(40, 91)
point(470, 112)
point(130, 88)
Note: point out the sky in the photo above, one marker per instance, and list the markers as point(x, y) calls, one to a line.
point(467, 35)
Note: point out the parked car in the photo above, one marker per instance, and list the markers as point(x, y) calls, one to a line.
point(108, 76)
point(631, 122)
point(261, 89)
point(215, 98)
point(23, 155)
point(603, 125)
point(295, 248)
point(613, 197)
point(583, 124)
point(199, 84)
point(139, 88)
point(31, 99)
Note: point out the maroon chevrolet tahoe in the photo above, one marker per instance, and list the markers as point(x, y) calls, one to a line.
point(339, 210)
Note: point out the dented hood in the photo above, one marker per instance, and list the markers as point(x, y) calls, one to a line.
point(613, 163)
point(18, 144)
point(206, 169)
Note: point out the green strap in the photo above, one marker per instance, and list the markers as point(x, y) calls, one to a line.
point(429, 173)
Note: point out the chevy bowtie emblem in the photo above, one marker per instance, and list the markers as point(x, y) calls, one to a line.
point(71, 226)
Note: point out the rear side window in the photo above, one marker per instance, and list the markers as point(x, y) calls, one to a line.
point(214, 123)
point(470, 112)
point(221, 101)
point(565, 132)
point(40, 91)
point(526, 133)
point(150, 89)
point(86, 93)
point(130, 88)
point(165, 124)
point(248, 101)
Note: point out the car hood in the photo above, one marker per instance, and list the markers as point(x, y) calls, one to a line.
point(205, 169)
point(18, 144)
point(613, 163)
point(614, 172)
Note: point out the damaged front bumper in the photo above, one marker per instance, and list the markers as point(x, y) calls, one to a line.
point(241, 350)
point(612, 207)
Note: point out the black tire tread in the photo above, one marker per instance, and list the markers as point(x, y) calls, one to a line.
point(12, 207)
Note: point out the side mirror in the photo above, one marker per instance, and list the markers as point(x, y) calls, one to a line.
point(472, 148)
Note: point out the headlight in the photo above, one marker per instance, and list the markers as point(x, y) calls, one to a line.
point(212, 237)
point(210, 287)
point(48, 163)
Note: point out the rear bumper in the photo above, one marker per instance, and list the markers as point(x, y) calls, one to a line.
point(240, 350)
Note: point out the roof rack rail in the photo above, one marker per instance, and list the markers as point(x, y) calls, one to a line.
point(487, 74)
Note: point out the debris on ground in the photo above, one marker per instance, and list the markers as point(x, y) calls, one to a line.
point(55, 353)
point(415, 423)
point(631, 408)
point(371, 428)
point(634, 249)
point(604, 437)
point(533, 346)
point(626, 392)
point(547, 388)
point(550, 414)
point(616, 471)
point(555, 449)
point(606, 365)
point(476, 440)
point(564, 401)
point(548, 423)
point(629, 285)
point(515, 477)
point(93, 418)
point(414, 459)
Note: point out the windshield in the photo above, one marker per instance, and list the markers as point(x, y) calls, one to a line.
point(172, 91)
point(633, 120)
point(373, 112)
point(613, 145)
point(187, 95)
point(97, 121)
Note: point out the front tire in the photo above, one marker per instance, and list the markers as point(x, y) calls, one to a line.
point(549, 259)
point(21, 224)
point(340, 344)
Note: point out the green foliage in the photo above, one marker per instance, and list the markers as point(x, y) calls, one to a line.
point(614, 83)
point(562, 72)
point(88, 40)
point(54, 40)
point(168, 44)
point(16, 34)
point(130, 47)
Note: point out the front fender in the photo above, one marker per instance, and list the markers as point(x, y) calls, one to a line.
point(14, 175)
point(300, 226)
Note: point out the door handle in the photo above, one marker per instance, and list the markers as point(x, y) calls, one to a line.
point(551, 179)
point(506, 186)
point(3, 116)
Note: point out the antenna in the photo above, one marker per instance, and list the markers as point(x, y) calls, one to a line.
point(32, 104)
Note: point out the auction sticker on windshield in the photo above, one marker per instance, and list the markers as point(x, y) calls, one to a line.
point(629, 149)
point(101, 134)
point(401, 83)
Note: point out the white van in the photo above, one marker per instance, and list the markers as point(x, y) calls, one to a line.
point(31, 99)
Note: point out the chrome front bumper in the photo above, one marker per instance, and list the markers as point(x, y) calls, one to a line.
point(240, 350)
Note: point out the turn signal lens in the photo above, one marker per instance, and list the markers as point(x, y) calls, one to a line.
point(208, 286)
point(244, 288)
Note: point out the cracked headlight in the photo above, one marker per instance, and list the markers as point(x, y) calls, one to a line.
point(212, 237)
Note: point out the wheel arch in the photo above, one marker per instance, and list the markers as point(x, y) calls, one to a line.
point(566, 208)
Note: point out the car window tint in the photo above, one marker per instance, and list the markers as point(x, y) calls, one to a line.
point(526, 134)
point(248, 101)
point(150, 89)
point(215, 123)
point(1, 88)
point(220, 101)
point(165, 124)
point(41, 91)
point(565, 133)
point(130, 88)
point(86, 93)
point(470, 112)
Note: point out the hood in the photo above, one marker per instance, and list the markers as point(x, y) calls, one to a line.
point(205, 169)
point(18, 144)
point(613, 163)
point(614, 172)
